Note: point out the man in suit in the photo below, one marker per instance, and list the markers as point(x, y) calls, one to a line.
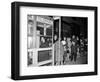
point(73, 51)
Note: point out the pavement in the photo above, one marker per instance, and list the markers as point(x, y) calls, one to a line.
point(80, 60)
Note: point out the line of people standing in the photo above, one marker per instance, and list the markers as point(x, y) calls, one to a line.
point(69, 48)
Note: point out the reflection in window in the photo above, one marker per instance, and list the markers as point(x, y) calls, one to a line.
point(30, 58)
point(30, 25)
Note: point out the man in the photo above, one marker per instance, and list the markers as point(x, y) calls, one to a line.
point(69, 44)
point(73, 51)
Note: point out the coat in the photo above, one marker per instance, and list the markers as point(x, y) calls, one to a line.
point(58, 51)
point(73, 49)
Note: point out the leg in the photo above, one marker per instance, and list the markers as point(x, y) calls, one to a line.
point(75, 56)
point(71, 56)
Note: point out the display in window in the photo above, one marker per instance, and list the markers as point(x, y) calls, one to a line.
point(49, 31)
point(45, 42)
point(44, 55)
point(41, 30)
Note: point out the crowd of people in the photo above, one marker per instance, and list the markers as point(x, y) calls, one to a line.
point(70, 49)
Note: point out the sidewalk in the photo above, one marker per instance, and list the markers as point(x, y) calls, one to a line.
point(79, 60)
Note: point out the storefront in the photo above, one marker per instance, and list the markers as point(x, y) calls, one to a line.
point(40, 40)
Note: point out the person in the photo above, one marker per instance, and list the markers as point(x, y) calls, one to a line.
point(78, 46)
point(64, 42)
point(73, 51)
point(58, 51)
point(74, 39)
point(43, 43)
point(81, 47)
point(85, 45)
point(69, 44)
point(49, 41)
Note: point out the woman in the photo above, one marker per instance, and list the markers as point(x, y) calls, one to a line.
point(64, 42)
point(69, 44)
point(58, 52)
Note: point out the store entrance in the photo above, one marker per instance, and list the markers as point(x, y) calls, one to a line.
point(57, 41)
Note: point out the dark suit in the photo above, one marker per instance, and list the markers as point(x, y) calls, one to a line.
point(73, 52)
